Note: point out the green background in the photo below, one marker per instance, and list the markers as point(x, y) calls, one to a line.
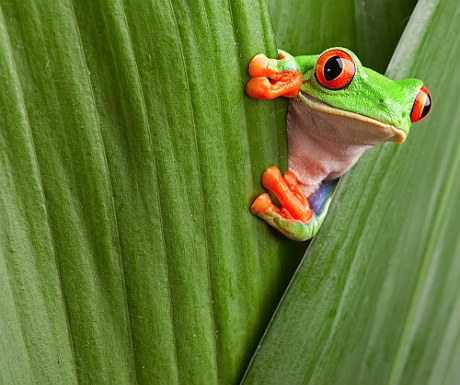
point(129, 155)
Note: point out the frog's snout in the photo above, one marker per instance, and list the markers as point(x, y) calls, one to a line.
point(422, 105)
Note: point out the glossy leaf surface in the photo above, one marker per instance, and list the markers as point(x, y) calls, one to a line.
point(129, 156)
point(375, 300)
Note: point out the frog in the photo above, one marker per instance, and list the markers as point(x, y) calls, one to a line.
point(337, 110)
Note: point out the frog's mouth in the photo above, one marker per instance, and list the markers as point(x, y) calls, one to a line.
point(366, 128)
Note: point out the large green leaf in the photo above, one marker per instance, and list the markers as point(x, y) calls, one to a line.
point(375, 300)
point(129, 156)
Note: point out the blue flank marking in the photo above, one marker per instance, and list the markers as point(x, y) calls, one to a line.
point(318, 198)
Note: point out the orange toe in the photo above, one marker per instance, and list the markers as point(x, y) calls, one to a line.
point(288, 83)
point(262, 204)
point(264, 88)
point(260, 88)
point(272, 178)
point(258, 67)
point(295, 203)
point(291, 181)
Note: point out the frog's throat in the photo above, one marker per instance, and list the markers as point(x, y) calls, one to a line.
point(325, 142)
point(396, 135)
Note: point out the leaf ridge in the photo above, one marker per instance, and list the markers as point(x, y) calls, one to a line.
point(155, 167)
point(200, 183)
point(448, 195)
point(109, 185)
point(34, 157)
point(349, 283)
point(242, 78)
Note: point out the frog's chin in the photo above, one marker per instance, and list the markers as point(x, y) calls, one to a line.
point(373, 126)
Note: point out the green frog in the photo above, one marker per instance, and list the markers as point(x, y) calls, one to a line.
point(338, 109)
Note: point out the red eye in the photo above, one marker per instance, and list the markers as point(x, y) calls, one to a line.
point(335, 69)
point(422, 105)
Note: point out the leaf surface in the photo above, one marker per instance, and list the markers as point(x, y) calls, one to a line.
point(375, 299)
point(129, 156)
point(369, 28)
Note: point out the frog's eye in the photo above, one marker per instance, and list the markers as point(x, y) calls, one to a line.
point(422, 105)
point(335, 69)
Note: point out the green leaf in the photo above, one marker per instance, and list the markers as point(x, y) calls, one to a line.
point(129, 157)
point(370, 28)
point(375, 300)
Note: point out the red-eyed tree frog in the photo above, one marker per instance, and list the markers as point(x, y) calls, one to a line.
point(338, 109)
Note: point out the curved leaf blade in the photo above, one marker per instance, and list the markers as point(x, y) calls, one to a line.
point(376, 297)
point(130, 154)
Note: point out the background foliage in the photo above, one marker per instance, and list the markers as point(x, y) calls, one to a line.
point(129, 155)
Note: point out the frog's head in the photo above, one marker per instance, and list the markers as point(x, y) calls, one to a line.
point(337, 83)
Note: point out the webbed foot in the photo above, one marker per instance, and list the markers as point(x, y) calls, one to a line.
point(295, 218)
point(272, 78)
point(295, 213)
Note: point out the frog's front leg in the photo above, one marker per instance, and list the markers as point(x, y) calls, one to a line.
point(271, 78)
point(295, 218)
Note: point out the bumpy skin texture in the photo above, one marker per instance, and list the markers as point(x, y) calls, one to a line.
point(338, 109)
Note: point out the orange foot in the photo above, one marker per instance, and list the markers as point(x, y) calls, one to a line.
point(294, 205)
point(268, 83)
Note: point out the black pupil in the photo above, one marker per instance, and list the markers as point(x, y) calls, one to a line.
point(427, 107)
point(333, 68)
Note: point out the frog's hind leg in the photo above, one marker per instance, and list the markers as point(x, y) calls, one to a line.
point(272, 78)
point(295, 219)
point(294, 214)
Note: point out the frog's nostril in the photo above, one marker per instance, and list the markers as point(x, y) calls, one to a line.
point(380, 101)
point(404, 114)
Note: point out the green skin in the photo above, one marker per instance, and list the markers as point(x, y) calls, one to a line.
point(363, 95)
point(369, 94)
